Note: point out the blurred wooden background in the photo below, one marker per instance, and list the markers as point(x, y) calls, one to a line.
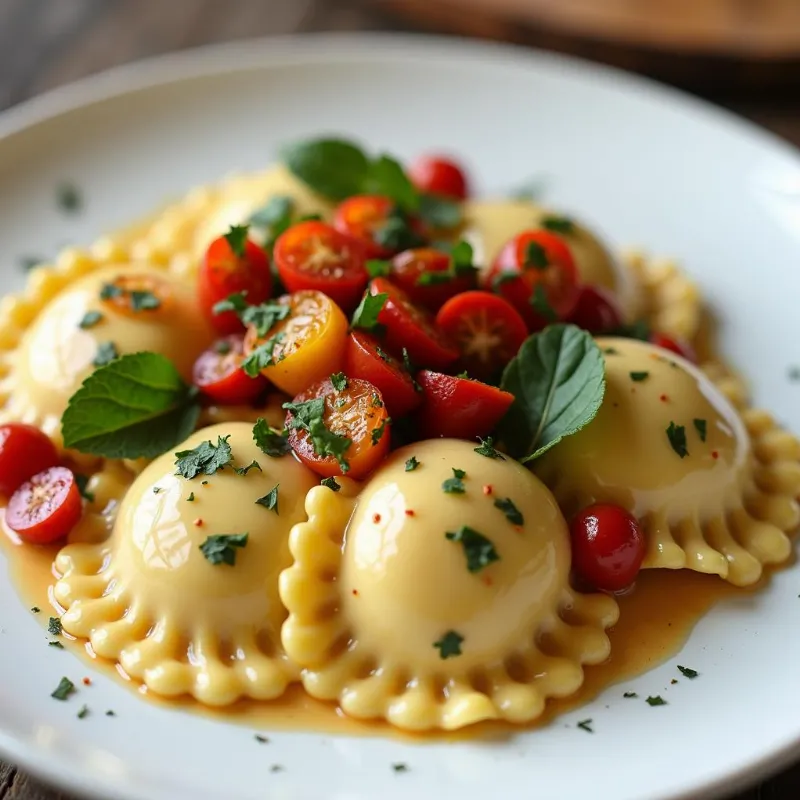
point(747, 58)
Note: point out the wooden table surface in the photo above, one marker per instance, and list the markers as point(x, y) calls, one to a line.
point(45, 43)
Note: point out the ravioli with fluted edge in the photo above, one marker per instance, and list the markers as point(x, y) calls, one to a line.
point(439, 596)
point(714, 491)
point(184, 595)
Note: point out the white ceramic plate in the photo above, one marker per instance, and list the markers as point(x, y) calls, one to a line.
point(648, 166)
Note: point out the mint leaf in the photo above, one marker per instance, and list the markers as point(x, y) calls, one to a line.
point(270, 499)
point(221, 548)
point(558, 382)
point(237, 239)
point(386, 176)
point(334, 168)
point(449, 645)
point(479, 550)
point(137, 406)
point(271, 442)
point(205, 459)
point(440, 212)
point(366, 315)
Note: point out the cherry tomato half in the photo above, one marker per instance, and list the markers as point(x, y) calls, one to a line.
point(487, 329)
point(365, 359)
point(439, 175)
point(412, 328)
point(378, 224)
point(608, 547)
point(24, 451)
point(536, 273)
point(459, 408)
point(596, 310)
point(428, 278)
point(46, 507)
point(225, 272)
point(675, 345)
point(314, 255)
point(302, 348)
point(219, 375)
point(356, 412)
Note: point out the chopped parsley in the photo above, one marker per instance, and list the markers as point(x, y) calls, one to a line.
point(658, 700)
point(400, 767)
point(221, 548)
point(513, 514)
point(455, 485)
point(382, 354)
point(794, 373)
point(487, 449)
point(56, 644)
point(411, 464)
point(270, 499)
point(308, 416)
point(222, 346)
point(440, 212)
point(205, 459)
point(586, 725)
point(83, 713)
point(535, 256)
point(541, 304)
point(264, 316)
point(64, 689)
point(366, 315)
point(106, 353)
point(449, 645)
point(277, 768)
point(331, 484)
point(396, 233)
point(144, 301)
point(27, 263)
point(376, 401)
point(236, 237)
point(677, 439)
point(700, 425)
point(377, 268)
point(558, 224)
point(36, 610)
point(611, 351)
point(236, 302)
point(111, 713)
point(108, 291)
point(688, 672)
point(339, 381)
point(628, 695)
point(270, 441)
point(54, 627)
point(81, 481)
point(479, 550)
point(69, 198)
point(275, 217)
point(263, 356)
point(261, 739)
point(90, 319)
point(190, 498)
point(377, 433)
point(639, 376)
point(156, 489)
point(244, 470)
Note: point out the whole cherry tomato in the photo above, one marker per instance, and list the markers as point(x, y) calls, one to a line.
point(608, 547)
point(430, 277)
point(679, 346)
point(487, 329)
point(24, 451)
point(219, 375)
point(352, 434)
point(46, 507)
point(536, 273)
point(596, 310)
point(232, 264)
point(377, 222)
point(439, 175)
point(314, 255)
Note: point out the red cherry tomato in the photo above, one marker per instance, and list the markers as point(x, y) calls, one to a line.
point(608, 547)
point(679, 346)
point(536, 273)
point(365, 359)
point(315, 256)
point(459, 408)
point(412, 328)
point(224, 272)
point(428, 278)
point(376, 222)
point(24, 451)
point(487, 329)
point(438, 175)
point(45, 508)
point(219, 375)
point(596, 310)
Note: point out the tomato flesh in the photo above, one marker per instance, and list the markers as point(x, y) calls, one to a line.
point(365, 359)
point(46, 507)
point(376, 222)
point(439, 175)
point(411, 328)
point(425, 275)
point(356, 412)
point(459, 408)
point(608, 547)
point(487, 329)
point(674, 345)
point(224, 273)
point(219, 375)
point(596, 310)
point(315, 256)
point(536, 273)
point(24, 451)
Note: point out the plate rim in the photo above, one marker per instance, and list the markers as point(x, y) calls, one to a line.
point(238, 56)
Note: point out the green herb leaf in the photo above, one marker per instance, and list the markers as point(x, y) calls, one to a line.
point(540, 303)
point(793, 373)
point(487, 449)
point(106, 353)
point(376, 401)
point(333, 168)
point(36, 610)
point(328, 443)
point(261, 739)
point(205, 459)
point(331, 484)
point(69, 198)
point(108, 291)
point(221, 548)
point(135, 407)
point(455, 485)
point(397, 233)
point(27, 263)
point(505, 276)
point(222, 346)
point(339, 381)
point(400, 767)
point(190, 498)
point(56, 644)
point(90, 319)
point(270, 499)
point(440, 212)
point(303, 414)
point(264, 316)
point(366, 315)
point(535, 256)
point(449, 645)
point(636, 330)
point(688, 672)
point(586, 725)
point(513, 514)
point(377, 268)
point(411, 464)
point(385, 176)
point(54, 626)
point(236, 302)
point(558, 383)
point(377, 433)
point(610, 351)
point(658, 700)
point(237, 239)
point(275, 215)
point(83, 713)
point(435, 278)
point(628, 695)
point(639, 376)
point(82, 481)
point(270, 441)
point(263, 356)
point(143, 301)
point(244, 470)
point(700, 425)
point(479, 550)
point(558, 224)
point(677, 439)
point(64, 689)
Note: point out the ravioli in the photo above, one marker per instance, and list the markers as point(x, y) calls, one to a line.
point(173, 615)
point(715, 492)
point(71, 333)
point(434, 608)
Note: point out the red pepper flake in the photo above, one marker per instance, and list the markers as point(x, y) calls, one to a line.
point(714, 454)
point(663, 398)
point(487, 489)
point(376, 518)
point(87, 681)
point(199, 522)
point(355, 592)
point(487, 580)
point(410, 512)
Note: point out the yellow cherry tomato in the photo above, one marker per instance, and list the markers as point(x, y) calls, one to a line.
point(305, 347)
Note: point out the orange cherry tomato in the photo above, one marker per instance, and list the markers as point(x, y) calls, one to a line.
point(376, 222)
point(314, 255)
point(536, 273)
point(134, 295)
point(24, 451)
point(353, 423)
point(439, 175)
point(302, 348)
point(426, 275)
